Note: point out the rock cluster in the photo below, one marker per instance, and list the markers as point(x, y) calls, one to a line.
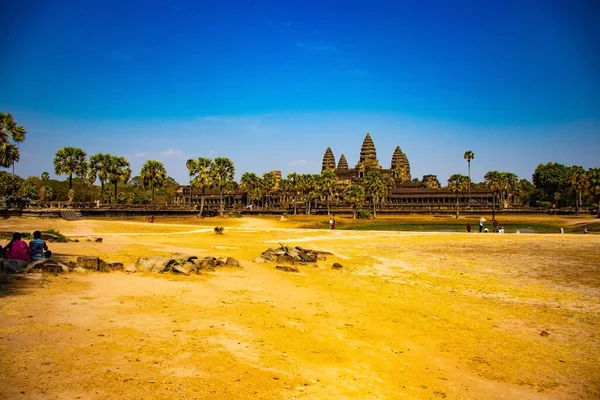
point(285, 256)
point(178, 263)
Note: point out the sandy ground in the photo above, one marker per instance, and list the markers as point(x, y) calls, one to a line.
point(411, 315)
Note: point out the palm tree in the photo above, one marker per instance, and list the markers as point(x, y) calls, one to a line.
point(69, 161)
point(458, 183)
point(268, 186)
point(493, 181)
point(578, 179)
point(311, 189)
point(375, 187)
point(293, 185)
point(593, 186)
point(98, 168)
point(153, 176)
point(202, 179)
point(192, 167)
point(509, 183)
point(469, 155)
point(329, 185)
point(251, 184)
point(119, 171)
point(355, 195)
point(45, 176)
point(10, 131)
point(222, 172)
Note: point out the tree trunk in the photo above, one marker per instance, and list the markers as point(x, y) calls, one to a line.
point(374, 211)
point(116, 184)
point(202, 202)
point(328, 212)
point(190, 191)
point(493, 206)
point(221, 202)
point(152, 195)
point(70, 181)
point(457, 213)
point(577, 201)
point(294, 204)
point(469, 163)
point(353, 212)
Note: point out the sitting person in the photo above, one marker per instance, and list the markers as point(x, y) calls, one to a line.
point(17, 249)
point(38, 248)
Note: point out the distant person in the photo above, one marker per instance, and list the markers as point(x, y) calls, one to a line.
point(17, 249)
point(562, 230)
point(495, 223)
point(480, 225)
point(330, 223)
point(501, 230)
point(469, 227)
point(485, 230)
point(585, 230)
point(38, 248)
point(333, 224)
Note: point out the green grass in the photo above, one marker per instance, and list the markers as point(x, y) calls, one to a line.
point(61, 238)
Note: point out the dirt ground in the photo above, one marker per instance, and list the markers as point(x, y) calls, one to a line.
point(412, 315)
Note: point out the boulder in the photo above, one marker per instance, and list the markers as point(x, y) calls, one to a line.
point(285, 260)
point(48, 237)
point(321, 256)
point(116, 266)
point(268, 255)
point(278, 252)
point(260, 260)
point(337, 266)
point(182, 269)
point(131, 269)
point(232, 262)
point(94, 239)
point(208, 263)
point(294, 253)
point(287, 268)
point(46, 265)
point(80, 270)
point(152, 264)
point(89, 262)
point(14, 266)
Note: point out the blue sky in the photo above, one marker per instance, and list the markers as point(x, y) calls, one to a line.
point(272, 84)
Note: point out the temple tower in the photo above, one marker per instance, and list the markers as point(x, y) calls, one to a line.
point(368, 154)
point(400, 165)
point(328, 160)
point(343, 164)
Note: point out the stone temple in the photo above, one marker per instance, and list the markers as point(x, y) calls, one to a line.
point(395, 176)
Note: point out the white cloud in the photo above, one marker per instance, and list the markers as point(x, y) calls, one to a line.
point(140, 155)
point(295, 163)
point(171, 152)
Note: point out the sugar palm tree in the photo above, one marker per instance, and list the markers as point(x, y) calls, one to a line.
point(458, 183)
point(45, 176)
point(268, 184)
point(251, 184)
point(221, 172)
point(192, 167)
point(202, 179)
point(578, 179)
point(69, 161)
point(98, 168)
point(153, 176)
point(355, 195)
point(119, 171)
point(293, 185)
point(593, 186)
point(375, 187)
point(469, 156)
point(329, 185)
point(494, 182)
point(9, 155)
point(10, 131)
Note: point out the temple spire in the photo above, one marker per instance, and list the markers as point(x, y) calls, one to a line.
point(343, 164)
point(328, 160)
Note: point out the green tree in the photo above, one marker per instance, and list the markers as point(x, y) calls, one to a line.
point(202, 180)
point(469, 156)
point(11, 134)
point(494, 183)
point(551, 178)
point(355, 195)
point(99, 168)
point(29, 188)
point(375, 187)
point(153, 175)
point(292, 185)
point(192, 167)
point(9, 183)
point(70, 161)
point(577, 179)
point(508, 185)
point(119, 171)
point(329, 185)
point(45, 177)
point(268, 184)
point(458, 183)
point(251, 184)
point(222, 172)
point(593, 186)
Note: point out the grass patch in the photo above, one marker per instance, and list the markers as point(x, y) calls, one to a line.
point(60, 237)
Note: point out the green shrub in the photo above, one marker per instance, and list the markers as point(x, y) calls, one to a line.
point(363, 214)
point(219, 230)
point(61, 238)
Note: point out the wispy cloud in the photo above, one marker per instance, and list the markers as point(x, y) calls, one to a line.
point(171, 152)
point(318, 46)
point(297, 163)
point(140, 155)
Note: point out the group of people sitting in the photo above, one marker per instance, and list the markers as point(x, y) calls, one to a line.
point(18, 249)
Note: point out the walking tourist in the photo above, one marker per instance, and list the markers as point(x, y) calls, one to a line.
point(495, 223)
point(38, 247)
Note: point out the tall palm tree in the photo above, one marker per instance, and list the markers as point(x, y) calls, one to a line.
point(593, 186)
point(222, 172)
point(119, 171)
point(493, 181)
point(10, 131)
point(99, 168)
point(153, 174)
point(375, 187)
point(45, 176)
point(458, 183)
point(202, 179)
point(469, 155)
point(9, 155)
point(509, 183)
point(329, 185)
point(293, 185)
point(251, 184)
point(355, 195)
point(268, 186)
point(192, 167)
point(578, 179)
point(69, 161)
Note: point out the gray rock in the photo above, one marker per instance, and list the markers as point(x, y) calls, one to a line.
point(293, 253)
point(232, 262)
point(46, 265)
point(131, 269)
point(337, 266)
point(116, 266)
point(14, 266)
point(94, 239)
point(89, 262)
point(278, 252)
point(152, 264)
point(287, 268)
point(49, 237)
point(181, 269)
point(285, 260)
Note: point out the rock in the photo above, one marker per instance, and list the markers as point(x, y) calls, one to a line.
point(80, 270)
point(208, 263)
point(50, 237)
point(260, 260)
point(337, 266)
point(285, 259)
point(47, 265)
point(181, 269)
point(293, 253)
point(116, 266)
point(287, 268)
point(74, 240)
point(544, 334)
point(131, 269)
point(152, 264)
point(14, 266)
point(180, 258)
point(232, 262)
point(88, 262)
point(94, 239)
point(310, 257)
point(278, 252)
point(321, 256)
point(268, 255)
